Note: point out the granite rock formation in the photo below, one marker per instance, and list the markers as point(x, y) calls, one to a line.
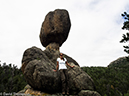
point(38, 71)
point(38, 65)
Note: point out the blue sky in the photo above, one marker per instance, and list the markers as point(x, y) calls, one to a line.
point(94, 35)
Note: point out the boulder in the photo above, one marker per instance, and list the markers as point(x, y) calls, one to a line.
point(79, 80)
point(55, 28)
point(38, 70)
point(39, 74)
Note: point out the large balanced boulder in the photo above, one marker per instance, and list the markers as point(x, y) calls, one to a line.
point(55, 27)
point(39, 74)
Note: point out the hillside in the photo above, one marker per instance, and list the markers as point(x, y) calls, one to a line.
point(112, 80)
point(120, 62)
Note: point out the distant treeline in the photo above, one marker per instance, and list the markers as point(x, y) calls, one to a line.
point(109, 81)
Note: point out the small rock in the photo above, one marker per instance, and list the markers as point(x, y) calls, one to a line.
point(88, 93)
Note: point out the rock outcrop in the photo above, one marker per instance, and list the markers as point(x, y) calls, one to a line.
point(120, 62)
point(38, 65)
point(39, 73)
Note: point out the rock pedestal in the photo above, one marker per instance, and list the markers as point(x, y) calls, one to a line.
point(38, 72)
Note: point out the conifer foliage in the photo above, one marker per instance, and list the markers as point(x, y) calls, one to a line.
point(125, 37)
point(11, 78)
point(110, 81)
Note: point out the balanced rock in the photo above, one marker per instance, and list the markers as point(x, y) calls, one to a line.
point(38, 71)
point(55, 27)
point(38, 65)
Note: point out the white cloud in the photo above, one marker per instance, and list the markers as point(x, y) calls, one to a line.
point(93, 39)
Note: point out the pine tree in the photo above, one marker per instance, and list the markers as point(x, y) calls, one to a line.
point(125, 38)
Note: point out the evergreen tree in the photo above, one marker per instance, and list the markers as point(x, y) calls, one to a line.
point(11, 78)
point(125, 38)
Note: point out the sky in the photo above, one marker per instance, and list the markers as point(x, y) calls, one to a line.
point(93, 38)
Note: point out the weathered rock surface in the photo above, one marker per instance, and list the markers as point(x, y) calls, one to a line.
point(55, 27)
point(79, 80)
point(88, 93)
point(50, 53)
point(28, 91)
point(38, 68)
